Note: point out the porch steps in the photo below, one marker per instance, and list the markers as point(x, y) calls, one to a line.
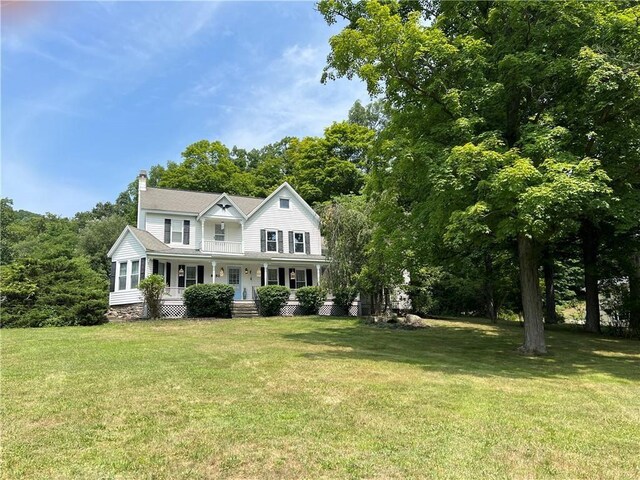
point(244, 309)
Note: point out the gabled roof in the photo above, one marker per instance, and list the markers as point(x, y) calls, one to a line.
point(144, 238)
point(218, 200)
point(189, 202)
point(295, 195)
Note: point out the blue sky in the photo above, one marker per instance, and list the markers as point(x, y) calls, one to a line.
point(92, 92)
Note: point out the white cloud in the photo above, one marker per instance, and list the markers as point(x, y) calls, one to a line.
point(289, 100)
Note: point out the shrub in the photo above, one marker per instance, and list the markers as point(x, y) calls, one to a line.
point(311, 299)
point(209, 300)
point(152, 289)
point(272, 299)
point(51, 292)
point(343, 297)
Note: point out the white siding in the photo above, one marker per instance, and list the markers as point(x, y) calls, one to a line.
point(155, 226)
point(232, 230)
point(272, 217)
point(128, 251)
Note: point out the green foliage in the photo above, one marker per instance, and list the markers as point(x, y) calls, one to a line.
point(209, 300)
point(97, 237)
point(272, 299)
point(52, 292)
point(152, 289)
point(343, 297)
point(311, 299)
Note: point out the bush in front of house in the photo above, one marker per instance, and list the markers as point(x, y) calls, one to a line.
point(209, 300)
point(343, 297)
point(152, 289)
point(272, 299)
point(311, 299)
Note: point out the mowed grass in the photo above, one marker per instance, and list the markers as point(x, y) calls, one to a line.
point(316, 398)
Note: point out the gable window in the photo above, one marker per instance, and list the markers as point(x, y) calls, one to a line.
point(122, 278)
point(135, 274)
point(284, 203)
point(190, 276)
point(301, 278)
point(272, 276)
point(176, 231)
point(272, 241)
point(298, 242)
point(219, 233)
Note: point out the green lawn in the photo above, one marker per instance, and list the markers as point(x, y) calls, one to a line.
point(316, 398)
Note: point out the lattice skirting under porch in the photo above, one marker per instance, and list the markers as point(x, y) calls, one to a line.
point(292, 308)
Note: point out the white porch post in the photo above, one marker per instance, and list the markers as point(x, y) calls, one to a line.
point(213, 268)
point(266, 273)
point(318, 274)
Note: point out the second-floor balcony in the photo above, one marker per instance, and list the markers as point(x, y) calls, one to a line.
point(217, 246)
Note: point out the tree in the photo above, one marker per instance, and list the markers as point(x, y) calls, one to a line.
point(7, 218)
point(97, 237)
point(152, 289)
point(493, 82)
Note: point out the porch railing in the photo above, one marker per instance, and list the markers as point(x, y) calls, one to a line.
point(173, 293)
point(221, 247)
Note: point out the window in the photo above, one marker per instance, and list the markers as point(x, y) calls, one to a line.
point(272, 276)
point(219, 233)
point(272, 241)
point(298, 242)
point(135, 273)
point(284, 203)
point(190, 276)
point(161, 269)
point(176, 231)
point(301, 278)
point(122, 278)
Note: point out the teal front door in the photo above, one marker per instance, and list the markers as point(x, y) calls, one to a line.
point(234, 281)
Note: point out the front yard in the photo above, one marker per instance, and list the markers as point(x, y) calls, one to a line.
point(315, 397)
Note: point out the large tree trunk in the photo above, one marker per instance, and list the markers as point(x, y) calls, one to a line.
point(634, 293)
point(549, 289)
point(531, 304)
point(590, 258)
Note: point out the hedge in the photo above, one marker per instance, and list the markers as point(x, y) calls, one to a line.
point(311, 299)
point(209, 300)
point(272, 299)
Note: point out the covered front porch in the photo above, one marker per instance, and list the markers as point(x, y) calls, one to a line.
point(244, 275)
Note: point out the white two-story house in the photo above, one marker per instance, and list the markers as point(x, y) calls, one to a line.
point(196, 237)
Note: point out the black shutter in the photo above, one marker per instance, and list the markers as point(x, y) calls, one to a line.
point(167, 274)
point(280, 246)
point(309, 277)
point(200, 273)
point(167, 230)
point(281, 279)
point(263, 240)
point(292, 283)
point(112, 277)
point(186, 233)
point(290, 242)
point(307, 243)
point(181, 278)
point(154, 269)
point(143, 267)
point(263, 276)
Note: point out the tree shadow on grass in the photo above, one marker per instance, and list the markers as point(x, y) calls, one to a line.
point(476, 348)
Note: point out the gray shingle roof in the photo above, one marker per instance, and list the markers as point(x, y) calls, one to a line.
point(169, 200)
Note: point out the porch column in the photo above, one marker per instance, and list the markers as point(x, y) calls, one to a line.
point(213, 269)
point(317, 274)
point(266, 274)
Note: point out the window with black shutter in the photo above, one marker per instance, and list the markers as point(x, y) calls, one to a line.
point(181, 277)
point(112, 277)
point(309, 277)
point(292, 278)
point(307, 243)
point(167, 230)
point(281, 277)
point(186, 234)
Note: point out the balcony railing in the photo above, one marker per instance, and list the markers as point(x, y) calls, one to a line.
point(221, 247)
point(171, 293)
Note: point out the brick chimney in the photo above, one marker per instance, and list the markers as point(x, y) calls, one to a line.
point(142, 181)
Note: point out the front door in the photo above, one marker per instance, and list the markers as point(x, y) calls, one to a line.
point(234, 281)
